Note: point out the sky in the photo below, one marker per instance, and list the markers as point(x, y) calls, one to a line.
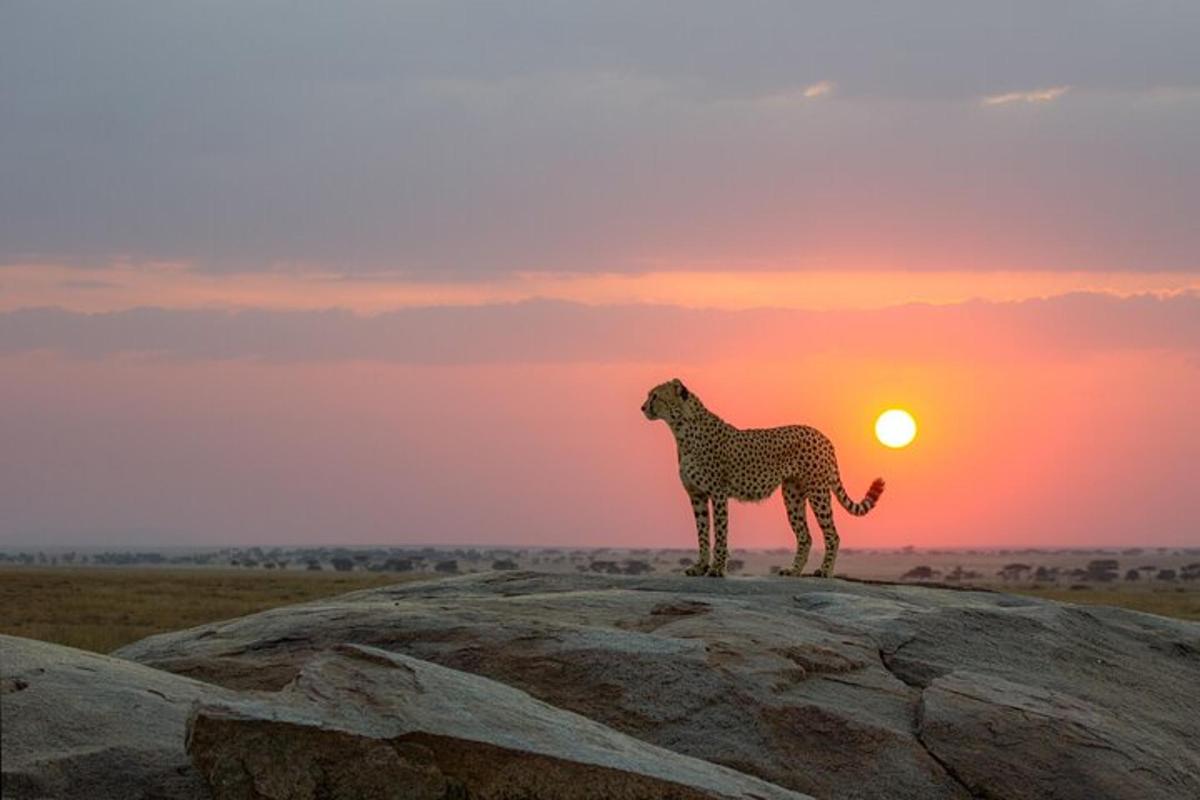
point(403, 272)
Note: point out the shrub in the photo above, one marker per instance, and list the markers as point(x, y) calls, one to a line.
point(920, 573)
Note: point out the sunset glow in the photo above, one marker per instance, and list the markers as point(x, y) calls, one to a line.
point(345, 275)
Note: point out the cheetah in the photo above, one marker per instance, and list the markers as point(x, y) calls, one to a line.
point(718, 461)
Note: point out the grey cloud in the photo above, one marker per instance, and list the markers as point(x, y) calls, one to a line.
point(554, 332)
point(476, 137)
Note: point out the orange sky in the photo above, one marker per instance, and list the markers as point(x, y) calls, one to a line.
point(1060, 422)
point(126, 285)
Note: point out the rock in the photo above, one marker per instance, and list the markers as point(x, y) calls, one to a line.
point(832, 688)
point(81, 725)
point(361, 723)
point(1014, 741)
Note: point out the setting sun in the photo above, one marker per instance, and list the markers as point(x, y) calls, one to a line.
point(895, 428)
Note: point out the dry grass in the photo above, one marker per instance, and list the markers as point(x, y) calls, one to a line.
point(1176, 602)
point(102, 609)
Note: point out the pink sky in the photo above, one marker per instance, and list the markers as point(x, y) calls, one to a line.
point(1060, 422)
point(403, 272)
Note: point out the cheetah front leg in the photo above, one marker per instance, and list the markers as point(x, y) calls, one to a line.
point(700, 509)
point(721, 524)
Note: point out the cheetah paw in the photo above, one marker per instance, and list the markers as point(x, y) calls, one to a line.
point(791, 572)
point(700, 568)
point(715, 572)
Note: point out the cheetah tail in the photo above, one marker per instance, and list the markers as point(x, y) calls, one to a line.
point(868, 502)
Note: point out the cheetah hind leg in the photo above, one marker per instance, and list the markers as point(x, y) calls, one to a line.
point(793, 499)
point(824, 512)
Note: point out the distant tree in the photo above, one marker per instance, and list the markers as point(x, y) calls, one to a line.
point(1102, 569)
point(504, 563)
point(606, 567)
point(736, 565)
point(342, 564)
point(449, 567)
point(636, 566)
point(1045, 574)
point(1132, 575)
point(920, 573)
point(269, 565)
point(313, 565)
point(1165, 575)
point(1013, 572)
point(1191, 572)
point(398, 565)
point(685, 562)
point(581, 567)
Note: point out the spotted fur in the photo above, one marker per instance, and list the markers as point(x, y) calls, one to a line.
point(718, 461)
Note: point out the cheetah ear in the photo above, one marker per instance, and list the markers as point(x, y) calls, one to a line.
point(688, 409)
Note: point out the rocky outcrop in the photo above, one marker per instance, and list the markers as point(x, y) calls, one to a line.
point(831, 688)
point(360, 722)
point(81, 725)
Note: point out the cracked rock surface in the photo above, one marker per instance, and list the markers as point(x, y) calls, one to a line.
point(826, 687)
point(80, 725)
point(359, 722)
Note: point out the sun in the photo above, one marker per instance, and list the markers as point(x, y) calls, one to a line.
point(895, 427)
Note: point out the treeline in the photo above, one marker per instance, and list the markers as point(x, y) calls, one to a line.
point(1100, 570)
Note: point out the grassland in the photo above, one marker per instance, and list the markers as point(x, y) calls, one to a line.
point(1182, 603)
point(101, 609)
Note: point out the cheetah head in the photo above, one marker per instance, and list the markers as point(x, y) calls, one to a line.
point(670, 401)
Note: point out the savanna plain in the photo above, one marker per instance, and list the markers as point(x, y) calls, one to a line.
point(120, 597)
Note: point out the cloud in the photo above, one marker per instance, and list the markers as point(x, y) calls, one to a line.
point(1036, 96)
point(794, 97)
point(559, 332)
point(460, 138)
point(818, 89)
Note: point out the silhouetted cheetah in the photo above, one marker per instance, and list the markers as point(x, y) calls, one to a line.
point(718, 461)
